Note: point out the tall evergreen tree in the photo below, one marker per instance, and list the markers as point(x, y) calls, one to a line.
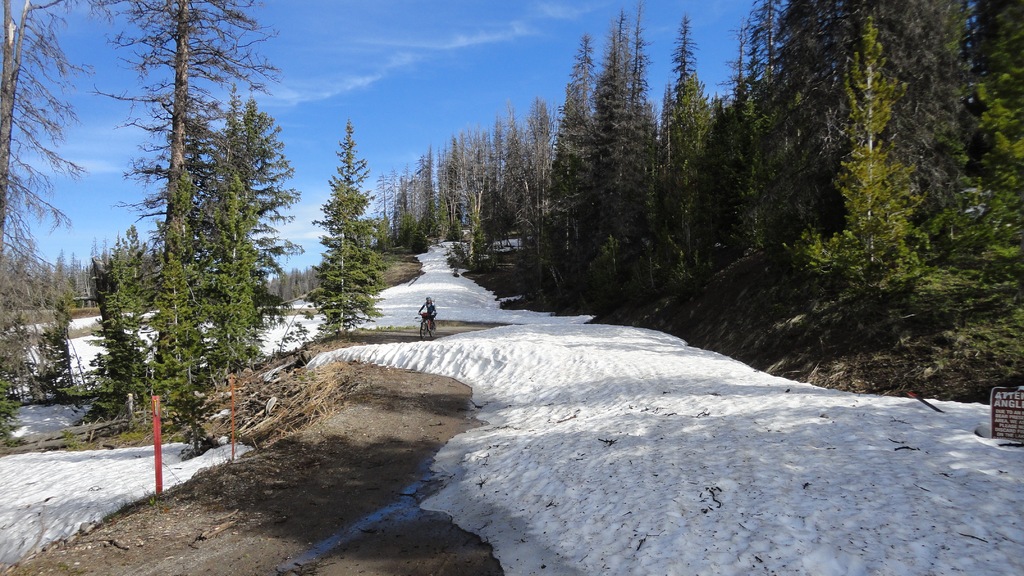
point(623, 160)
point(53, 361)
point(351, 273)
point(231, 286)
point(685, 206)
point(252, 151)
point(186, 49)
point(876, 250)
point(571, 177)
point(177, 320)
point(243, 197)
point(121, 367)
point(1002, 92)
point(743, 134)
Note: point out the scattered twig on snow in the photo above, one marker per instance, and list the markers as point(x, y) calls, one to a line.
point(566, 419)
point(712, 491)
point(608, 442)
point(923, 401)
point(972, 536)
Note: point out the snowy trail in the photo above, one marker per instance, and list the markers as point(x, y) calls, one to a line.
point(625, 451)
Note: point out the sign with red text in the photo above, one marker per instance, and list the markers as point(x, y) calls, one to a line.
point(1008, 413)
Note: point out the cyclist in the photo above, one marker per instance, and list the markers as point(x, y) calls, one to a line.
point(431, 311)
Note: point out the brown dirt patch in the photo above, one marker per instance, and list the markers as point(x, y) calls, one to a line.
point(347, 441)
point(402, 269)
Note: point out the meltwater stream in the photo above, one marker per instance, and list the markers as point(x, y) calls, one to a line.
point(407, 507)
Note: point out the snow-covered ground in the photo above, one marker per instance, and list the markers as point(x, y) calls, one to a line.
point(456, 297)
point(48, 496)
point(37, 419)
point(618, 450)
point(624, 451)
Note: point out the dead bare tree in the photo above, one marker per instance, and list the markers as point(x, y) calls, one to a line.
point(32, 118)
point(184, 52)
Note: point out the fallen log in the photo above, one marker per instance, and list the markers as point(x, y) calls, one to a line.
point(82, 434)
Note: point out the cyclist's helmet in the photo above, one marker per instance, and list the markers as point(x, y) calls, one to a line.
point(429, 300)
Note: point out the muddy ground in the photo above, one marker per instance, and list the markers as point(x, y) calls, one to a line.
point(305, 504)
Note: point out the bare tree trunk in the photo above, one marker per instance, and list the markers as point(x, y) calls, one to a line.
point(31, 114)
point(13, 39)
point(177, 208)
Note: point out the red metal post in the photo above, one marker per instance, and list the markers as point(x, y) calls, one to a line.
point(157, 446)
point(231, 379)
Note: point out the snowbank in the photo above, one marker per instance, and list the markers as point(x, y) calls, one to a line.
point(625, 451)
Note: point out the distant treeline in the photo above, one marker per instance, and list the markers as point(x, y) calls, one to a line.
point(80, 276)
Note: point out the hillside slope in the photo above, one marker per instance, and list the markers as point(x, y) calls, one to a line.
point(942, 340)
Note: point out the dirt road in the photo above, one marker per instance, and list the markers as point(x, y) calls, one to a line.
point(335, 497)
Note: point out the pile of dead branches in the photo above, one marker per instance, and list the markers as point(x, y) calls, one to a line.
point(272, 404)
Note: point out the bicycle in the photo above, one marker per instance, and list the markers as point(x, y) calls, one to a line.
point(427, 326)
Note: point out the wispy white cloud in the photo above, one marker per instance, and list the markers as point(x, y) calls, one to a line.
point(300, 91)
point(102, 145)
point(513, 31)
point(565, 10)
point(293, 93)
point(397, 53)
point(458, 40)
point(100, 166)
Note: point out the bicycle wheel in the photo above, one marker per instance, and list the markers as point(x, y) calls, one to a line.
point(430, 329)
point(424, 328)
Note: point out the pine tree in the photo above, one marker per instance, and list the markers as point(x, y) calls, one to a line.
point(8, 409)
point(684, 208)
point(231, 287)
point(121, 367)
point(623, 130)
point(351, 273)
point(178, 354)
point(243, 197)
point(1002, 92)
point(253, 152)
point(876, 250)
point(53, 369)
point(623, 159)
point(570, 178)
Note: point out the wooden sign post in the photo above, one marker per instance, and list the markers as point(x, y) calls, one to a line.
point(1008, 413)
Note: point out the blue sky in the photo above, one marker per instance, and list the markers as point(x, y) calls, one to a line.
point(408, 73)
